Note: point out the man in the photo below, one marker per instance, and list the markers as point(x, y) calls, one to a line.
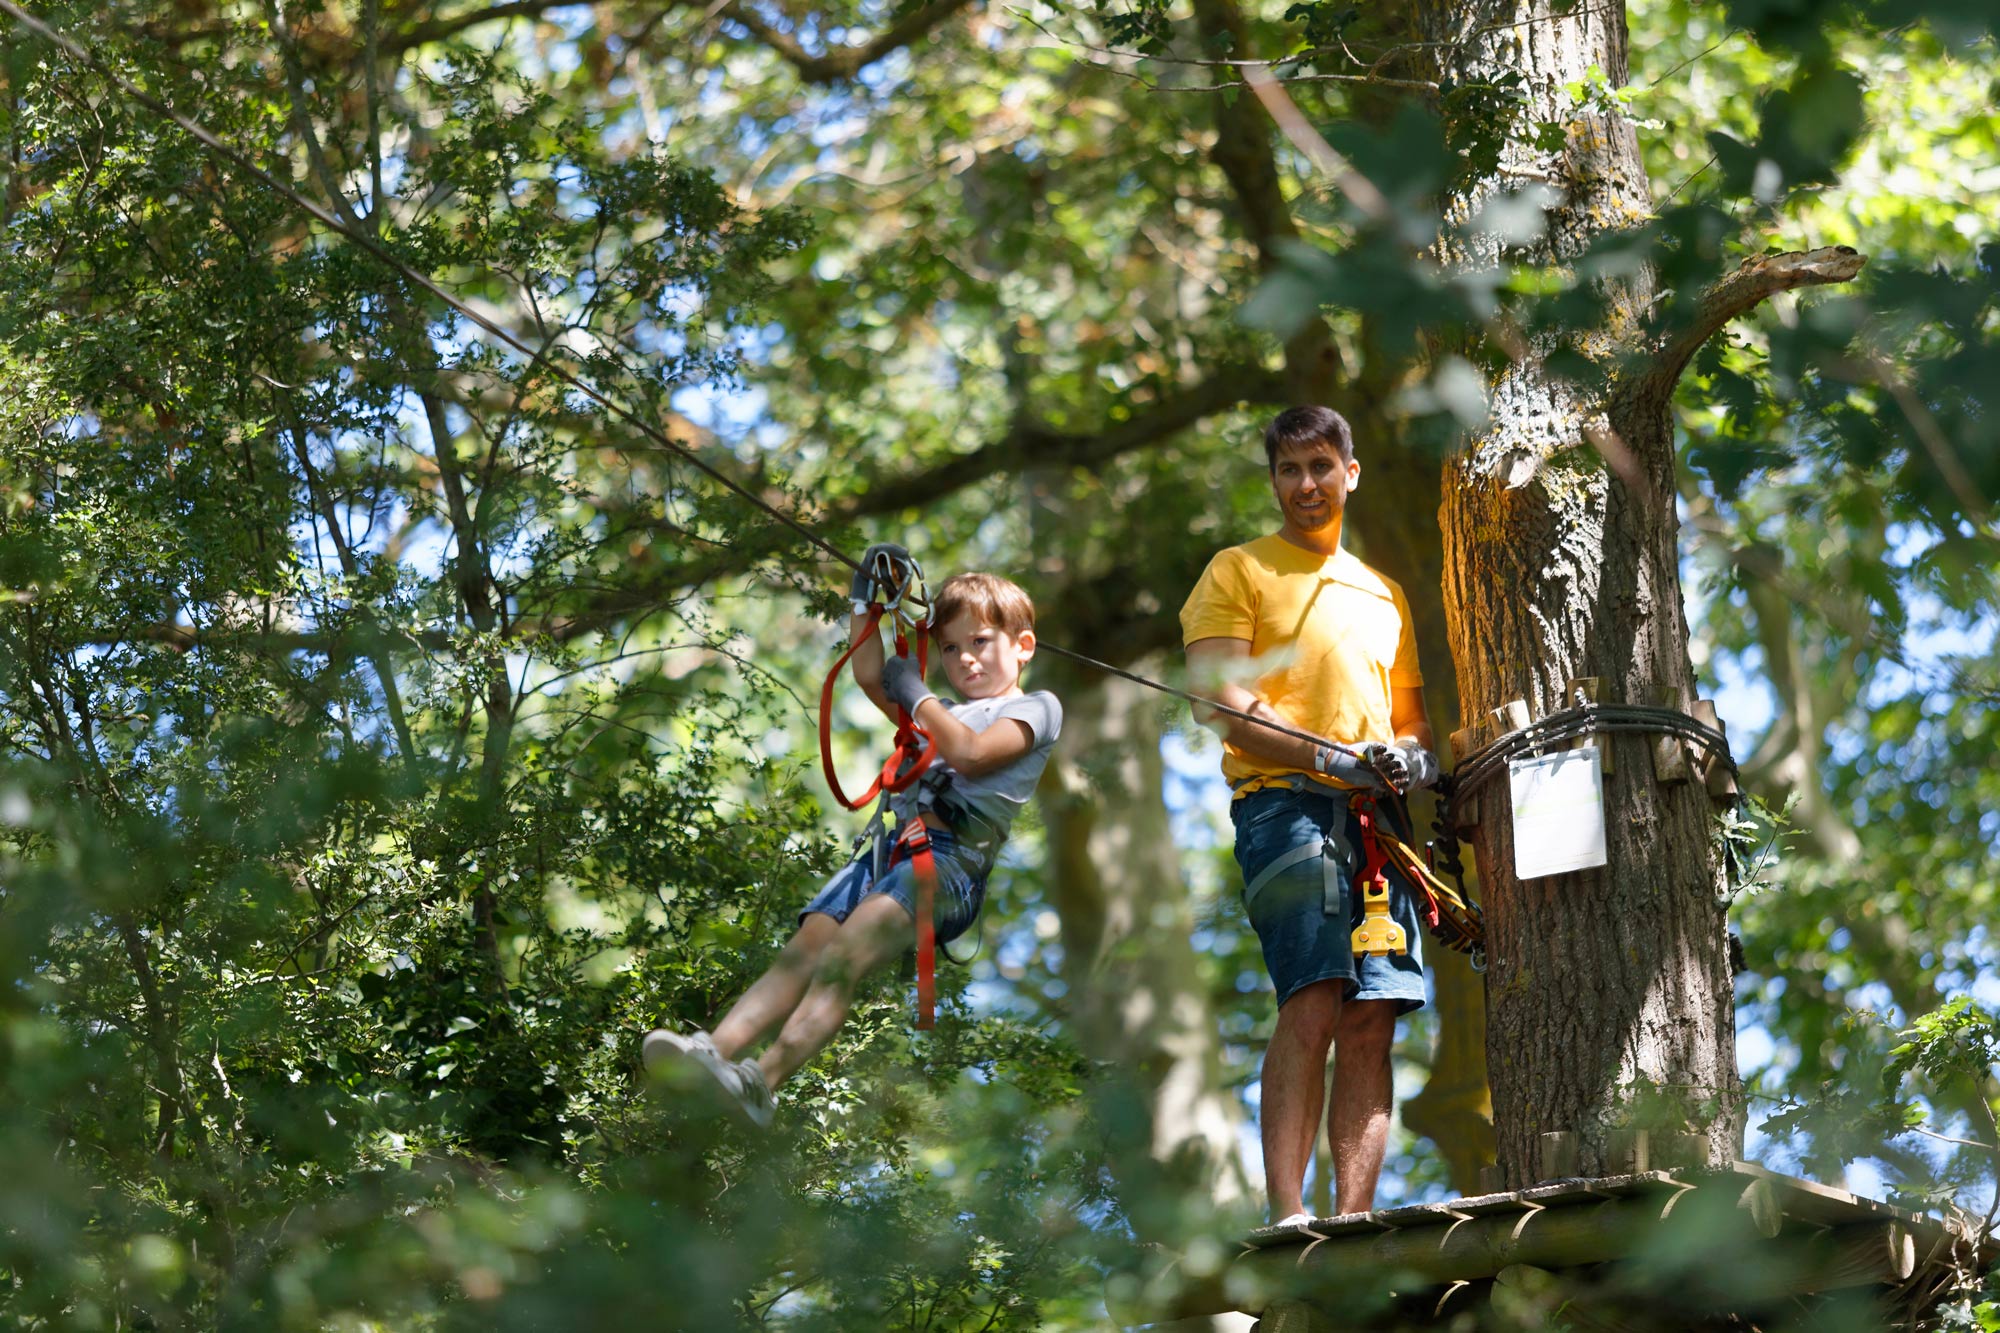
point(1293, 629)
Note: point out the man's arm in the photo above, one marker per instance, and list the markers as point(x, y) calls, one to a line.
point(1408, 716)
point(1213, 665)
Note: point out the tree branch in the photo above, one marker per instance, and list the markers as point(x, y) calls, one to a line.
point(1025, 446)
point(1756, 281)
point(843, 62)
point(1243, 151)
point(439, 28)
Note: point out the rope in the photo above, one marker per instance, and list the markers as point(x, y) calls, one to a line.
point(390, 260)
point(1568, 724)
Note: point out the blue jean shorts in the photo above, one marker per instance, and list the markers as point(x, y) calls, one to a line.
point(1303, 941)
point(961, 886)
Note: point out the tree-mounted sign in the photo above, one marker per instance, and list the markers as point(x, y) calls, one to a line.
point(1558, 812)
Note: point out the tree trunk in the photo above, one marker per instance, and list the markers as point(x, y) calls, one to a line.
point(1562, 561)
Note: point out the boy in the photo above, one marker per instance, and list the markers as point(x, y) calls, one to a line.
point(990, 753)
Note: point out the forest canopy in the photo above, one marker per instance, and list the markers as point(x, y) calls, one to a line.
point(393, 734)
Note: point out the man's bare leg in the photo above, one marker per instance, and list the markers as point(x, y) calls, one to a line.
point(880, 929)
point(1357, 1129)
point(773, 996)
point(1294, 1091)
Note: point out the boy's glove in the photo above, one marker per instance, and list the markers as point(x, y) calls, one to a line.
point(885, 559)
point(904, 684)
point(1406, 766)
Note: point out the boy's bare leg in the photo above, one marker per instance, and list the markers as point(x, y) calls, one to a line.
point(877, 931)
point(1357, 1130)
point(1294, 1091)
point(773, 996)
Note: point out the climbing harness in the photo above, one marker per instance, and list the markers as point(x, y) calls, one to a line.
point(1451, 916)
point(1378, 932)
point(900, 596)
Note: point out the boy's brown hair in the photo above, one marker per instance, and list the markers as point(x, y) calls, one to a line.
point(993, 600)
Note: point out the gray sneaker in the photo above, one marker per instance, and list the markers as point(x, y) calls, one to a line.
point(744, 1082)
point(662, 1051)
point(670, 1055)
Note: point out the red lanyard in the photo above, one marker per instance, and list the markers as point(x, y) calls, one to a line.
point(913, 754)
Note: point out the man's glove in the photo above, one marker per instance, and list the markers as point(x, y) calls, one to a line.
point(885, 559)
point(1405, 766)
point(1345, 764)
point(904, 684)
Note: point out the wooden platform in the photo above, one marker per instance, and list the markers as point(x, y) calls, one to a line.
point(1657, 1249)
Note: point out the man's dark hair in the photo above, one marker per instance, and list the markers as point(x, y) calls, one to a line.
point(1296, 427)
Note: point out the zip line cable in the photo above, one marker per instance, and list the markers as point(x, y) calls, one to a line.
point(388, 258)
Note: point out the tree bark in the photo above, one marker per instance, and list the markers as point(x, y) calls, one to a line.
point(1562, 561)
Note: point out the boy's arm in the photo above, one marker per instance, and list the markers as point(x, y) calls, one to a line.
point(867, 664)
point(970, 752)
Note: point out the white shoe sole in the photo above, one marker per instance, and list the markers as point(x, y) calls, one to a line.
point(673, 1058)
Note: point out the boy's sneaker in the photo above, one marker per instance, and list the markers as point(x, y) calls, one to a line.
point(744, 1082)
point(662, 1050)
point(666, 1053)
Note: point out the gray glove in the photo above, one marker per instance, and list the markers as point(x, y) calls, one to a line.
point(883, 559)
point(1346, 765)
point(904, 684)
point(1405, 766)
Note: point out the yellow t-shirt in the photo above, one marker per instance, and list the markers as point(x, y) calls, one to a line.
point(1329, 639)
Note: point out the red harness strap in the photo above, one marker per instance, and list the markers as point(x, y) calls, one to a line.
point(917, 838)
point(1373, 857)
point(914, 747)
point(913, 754)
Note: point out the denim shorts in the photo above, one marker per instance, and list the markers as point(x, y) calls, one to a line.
point(1304, 942)
point(961, 886)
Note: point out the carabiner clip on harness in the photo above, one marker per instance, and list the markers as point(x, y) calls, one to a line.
point(906, 601)
point(1453, 919)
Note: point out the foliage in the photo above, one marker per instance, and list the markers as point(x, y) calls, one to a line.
point(391, 737)
point(370, 792)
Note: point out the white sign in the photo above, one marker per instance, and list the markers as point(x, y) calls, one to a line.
point(1558, 812)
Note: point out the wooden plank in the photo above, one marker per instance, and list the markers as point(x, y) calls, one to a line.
point(1670, 753)
point(1588, 689)
point(1510, 716)
point(1561, 1151)
point(1715, 773)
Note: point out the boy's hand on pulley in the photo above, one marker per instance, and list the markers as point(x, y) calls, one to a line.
point(885, 568)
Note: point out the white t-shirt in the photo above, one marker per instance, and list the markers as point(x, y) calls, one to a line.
point(997, 797)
